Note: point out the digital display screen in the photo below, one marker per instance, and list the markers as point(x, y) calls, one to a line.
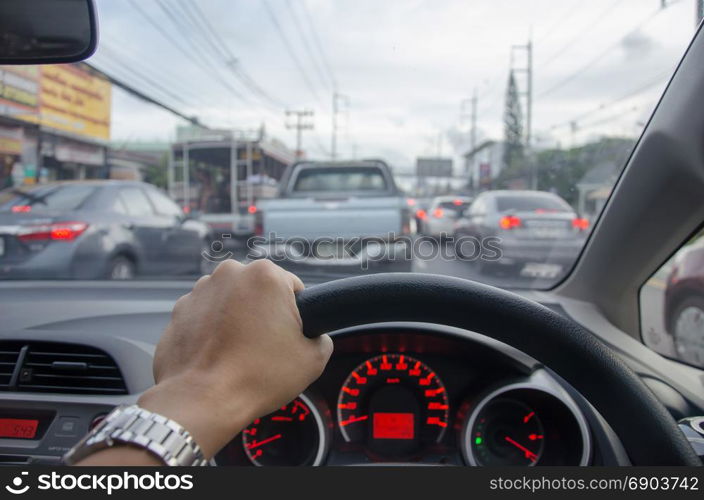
point(393, 425)
point(18, 428)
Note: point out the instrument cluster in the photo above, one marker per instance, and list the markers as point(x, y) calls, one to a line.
point(416, 400)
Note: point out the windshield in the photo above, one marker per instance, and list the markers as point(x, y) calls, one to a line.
point(474, 139)
point(509, 203)
point(44, 198)
point(340, 179)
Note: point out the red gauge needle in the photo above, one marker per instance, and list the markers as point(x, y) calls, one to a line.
point(352, 420)
point(257, 444)
point(529, 454)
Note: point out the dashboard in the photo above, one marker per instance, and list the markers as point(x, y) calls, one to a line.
point(420, 394)
point(393, 393)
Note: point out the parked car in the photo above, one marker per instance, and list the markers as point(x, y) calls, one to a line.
point(537, 233)
point(439, 218)
point(684, 303)
point(343, 214)
point(96, 230)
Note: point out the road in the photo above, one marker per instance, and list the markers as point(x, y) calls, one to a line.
point(437, 263)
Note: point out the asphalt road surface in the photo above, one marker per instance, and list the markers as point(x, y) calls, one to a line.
point(431, 262)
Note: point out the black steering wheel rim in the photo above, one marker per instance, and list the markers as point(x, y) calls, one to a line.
point(648, 432)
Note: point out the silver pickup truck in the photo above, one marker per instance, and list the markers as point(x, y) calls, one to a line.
point(336, 213)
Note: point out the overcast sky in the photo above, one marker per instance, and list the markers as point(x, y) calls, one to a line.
point(405, 65)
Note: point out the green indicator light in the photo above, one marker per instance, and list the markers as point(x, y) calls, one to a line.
point(478, 440)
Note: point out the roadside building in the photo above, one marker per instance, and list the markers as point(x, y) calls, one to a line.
point(54, 123)
point(483, 164)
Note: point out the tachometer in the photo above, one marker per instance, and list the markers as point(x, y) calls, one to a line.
point(507, 432)
point(292, 435)
point(525, 424)
point(393, 404)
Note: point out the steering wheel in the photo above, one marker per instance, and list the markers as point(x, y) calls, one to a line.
point(648, 432)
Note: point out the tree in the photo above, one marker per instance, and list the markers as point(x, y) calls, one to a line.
point(513, 126)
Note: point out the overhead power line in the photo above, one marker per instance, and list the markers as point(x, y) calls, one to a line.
point(141, 95)
point(208, 32)
point(601, 55)
point(632, 93)
point(202, 63)
point(307, 47)
point(586, 29)
point(316, 40)
point(289, 49)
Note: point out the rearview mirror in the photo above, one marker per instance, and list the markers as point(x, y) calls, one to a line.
point(47, 31)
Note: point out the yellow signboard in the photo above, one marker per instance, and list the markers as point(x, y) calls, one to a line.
point(73, 100)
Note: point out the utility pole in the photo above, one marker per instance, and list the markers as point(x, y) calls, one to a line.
point(337, 98)
point(524, 66)
point(473, 124)
point(300, 125)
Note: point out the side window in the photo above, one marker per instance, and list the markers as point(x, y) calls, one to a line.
point(163, 204)
point(136, 202)
point(672, 305)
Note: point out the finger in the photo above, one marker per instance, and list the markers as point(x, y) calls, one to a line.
point(296, 283)
point(228, 267)
point(326, 347)
point(201, 281)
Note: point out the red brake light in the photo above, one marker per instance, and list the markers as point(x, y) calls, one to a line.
point(411, 202)
point(17, 209)
point(252, 209)
point(438, 213)
point(509, 222)
point(457, 203)
point(580, 223)
point(60, 231)
point(421, 214)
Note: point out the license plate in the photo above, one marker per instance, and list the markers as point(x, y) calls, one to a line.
point(539, 270)
point(2, 247)
point(548, 233)
point(326, 250)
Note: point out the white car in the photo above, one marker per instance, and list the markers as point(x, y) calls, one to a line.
point(439, 219)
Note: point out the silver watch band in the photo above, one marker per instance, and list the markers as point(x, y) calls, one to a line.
point(136, 426)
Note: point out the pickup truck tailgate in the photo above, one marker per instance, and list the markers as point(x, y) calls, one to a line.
point(312, 218)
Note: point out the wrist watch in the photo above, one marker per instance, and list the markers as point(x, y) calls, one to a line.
point(135, 426)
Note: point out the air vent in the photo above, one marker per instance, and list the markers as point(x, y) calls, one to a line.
point(62, 368)
point(9, 355)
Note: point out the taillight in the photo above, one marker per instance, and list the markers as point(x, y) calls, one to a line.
point(252, 209)
point(509, 222)
point(438, 213)
point(59, 231)
point(258, 224)
point(405, 221)
point(457, 203)
point(411, 202)
point(421, 214)
point(580, 223)
point(21, 209)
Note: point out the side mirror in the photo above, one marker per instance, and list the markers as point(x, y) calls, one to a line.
point(47, 31)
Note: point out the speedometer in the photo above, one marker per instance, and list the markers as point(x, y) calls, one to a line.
point(393, 404)
point(292, 435)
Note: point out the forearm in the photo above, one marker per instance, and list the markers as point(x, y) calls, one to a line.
point(123, 455)
point(211, 423)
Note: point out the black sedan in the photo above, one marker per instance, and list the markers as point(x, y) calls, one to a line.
point(96, 230)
